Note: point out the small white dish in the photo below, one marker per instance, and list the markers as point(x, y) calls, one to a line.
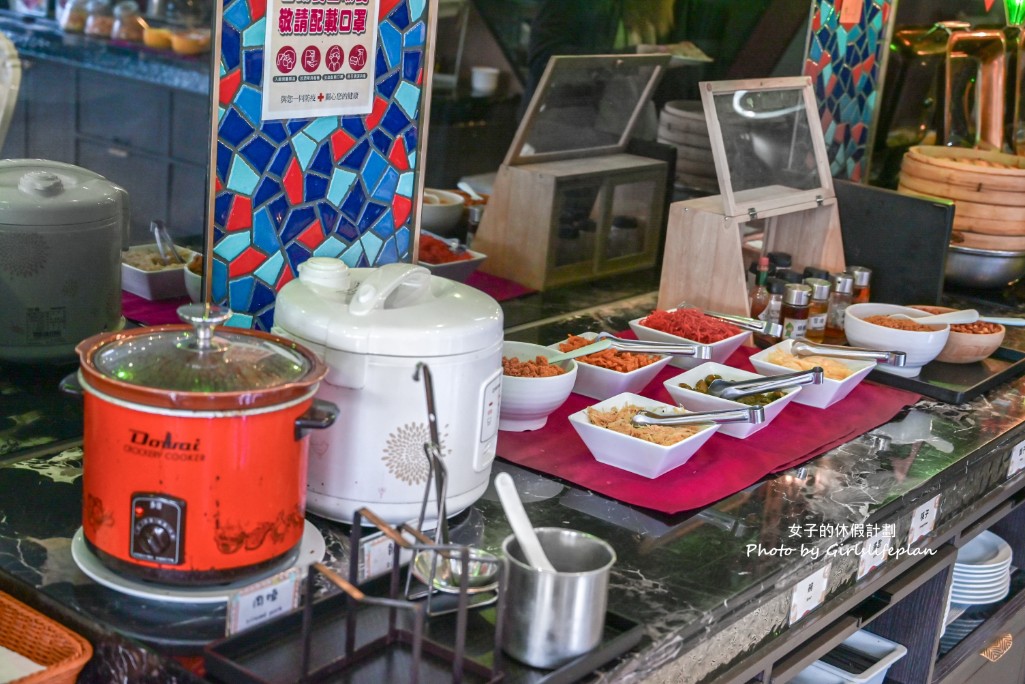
point(698, 401)
point(602, 383)
point(720, 350)
point(819, 396)
point(527, 402)
point(636, 455)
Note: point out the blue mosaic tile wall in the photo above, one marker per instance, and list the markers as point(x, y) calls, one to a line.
point(333, 186)
point(845, 61)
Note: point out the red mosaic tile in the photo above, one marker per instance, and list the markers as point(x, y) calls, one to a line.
point(293, 181)
point(386, 7)
point(241, 215)
point(398, 156)
point(400, 209)
point(257, 8)
point(229, 86)
point(246, 262)
point(341, 143)
point(374, 117)
point(285, 278)
point(313, 236)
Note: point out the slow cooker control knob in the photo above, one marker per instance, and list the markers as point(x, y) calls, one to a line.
point(155, 538)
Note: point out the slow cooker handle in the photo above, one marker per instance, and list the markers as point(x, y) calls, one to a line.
point(70, 384)
point(321, 414)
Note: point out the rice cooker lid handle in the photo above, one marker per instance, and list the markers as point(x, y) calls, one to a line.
point(391, 286)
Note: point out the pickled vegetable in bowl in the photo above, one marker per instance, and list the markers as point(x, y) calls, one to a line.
point(750, 400)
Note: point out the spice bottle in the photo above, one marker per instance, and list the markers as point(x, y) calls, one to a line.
point(813, 272)
point(760, 292)
point(794, 314)
point(839, 300)
point(771, 311)
point(862, 276)
point(817, 308)
point(779, 260)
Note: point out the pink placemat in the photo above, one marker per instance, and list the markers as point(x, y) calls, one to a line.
point(720, 468)
point(501, 289)
point(147, 312)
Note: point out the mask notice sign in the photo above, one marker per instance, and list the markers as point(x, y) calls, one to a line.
point(319, 58)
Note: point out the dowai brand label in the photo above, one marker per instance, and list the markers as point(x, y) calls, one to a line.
point(168, 446)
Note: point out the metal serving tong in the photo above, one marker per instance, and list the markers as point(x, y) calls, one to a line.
point(804, 347)
point(735, 389)
point(748, 414)
point(747, 323)
point(609, 341)
point(165, 246)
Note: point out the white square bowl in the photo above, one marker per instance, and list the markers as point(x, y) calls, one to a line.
point(818, 396)
point(166, 283)
point(721, 350)
point(698, 401)
point(457, 270)
point(601, 383)
point(636, 455)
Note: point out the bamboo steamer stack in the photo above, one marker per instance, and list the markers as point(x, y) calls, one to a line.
point(682, 125)
point(987, 188)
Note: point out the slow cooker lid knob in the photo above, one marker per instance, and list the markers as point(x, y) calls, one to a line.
point(204, 318)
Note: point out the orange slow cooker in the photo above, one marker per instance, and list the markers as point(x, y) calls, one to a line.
point(195, 448)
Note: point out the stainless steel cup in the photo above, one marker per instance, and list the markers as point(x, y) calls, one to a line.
point(551, 618)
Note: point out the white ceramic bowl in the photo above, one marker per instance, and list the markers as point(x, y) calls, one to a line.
point(721, 350)
point(921, 347)
point(527, 402)
point(631, 453)
point(698, 401)
point(193, 284)
point(601, 383)
point(818, 396)
point(442, 211)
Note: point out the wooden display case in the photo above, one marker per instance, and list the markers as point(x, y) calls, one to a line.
point(770, 161)
point(569, 204)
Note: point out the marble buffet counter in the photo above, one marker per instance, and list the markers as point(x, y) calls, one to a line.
point(726, 594)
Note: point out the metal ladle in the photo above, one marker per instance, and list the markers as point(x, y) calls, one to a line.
point(482, 567)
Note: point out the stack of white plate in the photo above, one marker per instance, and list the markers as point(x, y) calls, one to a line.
point(982, 573)
point(682, 125)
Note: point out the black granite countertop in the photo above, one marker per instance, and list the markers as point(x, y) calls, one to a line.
point(41, 38)
point(705, 598)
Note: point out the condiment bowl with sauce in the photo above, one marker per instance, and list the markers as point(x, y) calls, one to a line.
point(632, 453)
point(441, 211)
point(841, 375)
point(921, 346)
point(968, 343)
point(605, 381)
point(696, 400)
point(721, 350)
point(528, 400)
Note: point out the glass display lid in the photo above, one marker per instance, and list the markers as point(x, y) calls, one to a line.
point(767, 144)
point(586, 106)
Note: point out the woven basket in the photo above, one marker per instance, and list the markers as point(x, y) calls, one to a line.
point(35, 636)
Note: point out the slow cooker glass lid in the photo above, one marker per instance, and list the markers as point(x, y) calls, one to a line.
point(181, 360)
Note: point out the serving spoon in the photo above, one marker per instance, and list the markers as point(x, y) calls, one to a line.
point(521, 525)
point(949, 318)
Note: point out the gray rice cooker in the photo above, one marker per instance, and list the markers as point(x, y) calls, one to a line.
point(62, 231)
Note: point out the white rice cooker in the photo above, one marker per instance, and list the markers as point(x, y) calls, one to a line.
point(62, 230)
point(372, 327)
